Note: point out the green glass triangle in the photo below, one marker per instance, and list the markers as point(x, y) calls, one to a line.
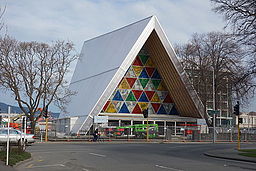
point(144, 82)
point(156, 83)
point(144, 59)
point(130, 97)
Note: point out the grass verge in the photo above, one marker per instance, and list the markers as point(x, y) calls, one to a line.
point(15, 156)
point(248, 152)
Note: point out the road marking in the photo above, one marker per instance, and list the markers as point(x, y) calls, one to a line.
point(169, 168)
point(54, 165)
point(85, 169)
point(30, 166)
point(95, 154)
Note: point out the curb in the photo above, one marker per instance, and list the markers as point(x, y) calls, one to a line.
point(229, 158)
point(24, 161)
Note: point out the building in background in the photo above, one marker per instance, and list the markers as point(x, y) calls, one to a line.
point(249, 120)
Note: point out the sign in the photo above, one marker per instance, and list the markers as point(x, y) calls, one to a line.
point(100, 119)
point(212, 112)
point(201, 122)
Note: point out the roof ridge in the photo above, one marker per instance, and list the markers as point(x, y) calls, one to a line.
point(118, 29)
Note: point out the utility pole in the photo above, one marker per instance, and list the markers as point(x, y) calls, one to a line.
point(8, 136)
point(145, 114)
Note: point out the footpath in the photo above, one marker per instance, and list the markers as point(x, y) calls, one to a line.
point(231, 154)
point(3, 167)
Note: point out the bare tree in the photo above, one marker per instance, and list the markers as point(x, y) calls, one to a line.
point(35, 73)
point(212, 56)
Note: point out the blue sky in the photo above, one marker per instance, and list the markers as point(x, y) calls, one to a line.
point(79, 20)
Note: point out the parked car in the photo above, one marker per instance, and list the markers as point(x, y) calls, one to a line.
point(15, 136)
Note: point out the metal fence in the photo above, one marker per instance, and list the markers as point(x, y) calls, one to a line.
point(167, 133)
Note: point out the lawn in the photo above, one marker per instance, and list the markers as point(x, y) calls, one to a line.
point(15, 156)
point(248, 152)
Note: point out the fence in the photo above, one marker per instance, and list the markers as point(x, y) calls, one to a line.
point(168, 133)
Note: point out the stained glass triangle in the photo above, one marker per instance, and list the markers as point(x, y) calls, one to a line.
point(111, 109)
point(118, 96)
point(131, 97)
point(131, 81)
point(130, 73)
point(131, 105)
point(143, 105)
point(137, 93)
point(124, 84)
point(155, 98)
point(137, 85)
point(174, 111)
point(161, 87)
point(149, 94)
point(143, 82)
point(124, 109)
point(144, 74)
point(149, 63)
point(161, 110)
point(137, 109)
point(149, 86)
point(156, 75)
point(144, 58)
point(105, 106)
point(155, 106)
point(137, 70)
point(150, 71)
point(168, 99)
point(150, 109)
point(143, 98)
point(168, 107)
point(137, 62)
point(156, 83)
point(162, 94)
point(124, 93)
point(117, 104)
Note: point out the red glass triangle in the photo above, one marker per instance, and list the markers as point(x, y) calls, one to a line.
point(155, 106)
point(137, 109)
point(150, 71)
point(106, 105)
point(168, 99)
point(131, 81)
point(137, 61)
point(150, 94)
point(137, 93)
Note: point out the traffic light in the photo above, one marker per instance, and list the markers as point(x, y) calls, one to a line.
point(145, 113)
point(236, 109)
point(240, 120)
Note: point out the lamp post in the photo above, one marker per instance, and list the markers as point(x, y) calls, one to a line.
point(213, 105)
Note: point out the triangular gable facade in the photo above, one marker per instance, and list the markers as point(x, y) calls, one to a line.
point(128, 70)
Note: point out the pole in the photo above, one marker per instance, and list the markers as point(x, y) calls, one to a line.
point(46, 129)
point(147, 131)
point(238, 135)
point(8, 136)
point(214, 105)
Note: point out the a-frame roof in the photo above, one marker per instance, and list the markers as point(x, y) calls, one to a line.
point(105, 59)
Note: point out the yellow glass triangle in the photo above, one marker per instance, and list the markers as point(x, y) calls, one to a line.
point(137, 70)
point(124, 84)
point(155, 98)
point(161, 87)
point(143, 105)
point(150, 63)
point(111, 108)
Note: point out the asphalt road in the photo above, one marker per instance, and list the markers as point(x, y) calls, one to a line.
point(129, 157)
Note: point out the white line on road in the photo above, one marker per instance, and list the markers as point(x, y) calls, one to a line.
point(53, 165)
point(164, 167)
point(95, 154)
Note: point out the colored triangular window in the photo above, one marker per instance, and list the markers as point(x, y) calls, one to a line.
point(137, 93)
point(111, 108)
point(150, 71)
point(131, 81)
point(137, 109)
point(156, 83)
point(137, 70)
point(143, 105)
point(137, 62)
point(143, 98)
point(144, 74)
point(156, 75)
point(168, 99)
point(155, 98)
point(124, 84)
point(124, 109)
point(118, 96)
point(131, 97)
point(143, 82)
point(155, 106)
point(161, 110)
point(149, 94)
point(144, 58)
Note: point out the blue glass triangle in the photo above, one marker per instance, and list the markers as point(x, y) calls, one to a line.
point(144, 74)
point(174, 111)
point(143, 98)
point(156, 75)
point(124, 109)
point(118, 96)
point(161, 110)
